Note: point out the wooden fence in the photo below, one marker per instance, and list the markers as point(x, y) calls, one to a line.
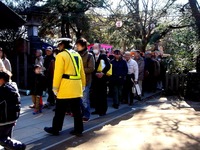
point(176, 83)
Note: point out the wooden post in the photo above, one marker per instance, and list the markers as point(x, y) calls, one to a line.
point(177, 82)
point(172, 82)
point(25, 70)
point(17, 67)
point(167, 81)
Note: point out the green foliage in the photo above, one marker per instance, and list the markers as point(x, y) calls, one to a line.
point(69, 15)
point(182, 44)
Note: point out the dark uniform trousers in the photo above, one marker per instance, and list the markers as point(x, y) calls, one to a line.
point(61, 107)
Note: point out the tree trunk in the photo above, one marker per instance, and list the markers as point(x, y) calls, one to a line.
point(68, 30)
point(78, 34)
point(63, 33)
point(195, 14)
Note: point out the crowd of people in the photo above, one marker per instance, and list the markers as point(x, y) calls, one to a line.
point(128, 69)
point(79, 79)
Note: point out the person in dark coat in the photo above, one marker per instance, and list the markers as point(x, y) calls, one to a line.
point(89, 66)
point(49, 62)
point(149, 72)
point(37, 88)
point(9, 112)
point(119, 72)
point(99, 83)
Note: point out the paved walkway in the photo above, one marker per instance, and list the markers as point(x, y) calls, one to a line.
point(169, 125)
point(29, 127)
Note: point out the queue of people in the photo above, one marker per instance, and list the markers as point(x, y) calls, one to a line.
point(77, 80)
point(132, 74)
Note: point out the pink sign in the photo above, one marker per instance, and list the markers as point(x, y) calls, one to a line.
point(103, 46)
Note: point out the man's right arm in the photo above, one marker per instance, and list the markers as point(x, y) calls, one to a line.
point(58, 73)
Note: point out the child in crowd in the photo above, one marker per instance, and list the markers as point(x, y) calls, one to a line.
point(37, 88)
point(9, 111)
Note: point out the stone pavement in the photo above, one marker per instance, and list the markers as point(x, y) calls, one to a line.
point(29, 127)
point(161, 124)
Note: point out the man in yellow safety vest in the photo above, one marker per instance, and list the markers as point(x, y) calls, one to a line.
point(68, 85)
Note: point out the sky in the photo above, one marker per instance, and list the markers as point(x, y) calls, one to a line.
point(115, 2)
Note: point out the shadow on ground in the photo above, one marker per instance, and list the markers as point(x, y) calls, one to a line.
point(165, 126)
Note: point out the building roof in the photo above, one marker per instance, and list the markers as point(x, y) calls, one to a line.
point(9, 19)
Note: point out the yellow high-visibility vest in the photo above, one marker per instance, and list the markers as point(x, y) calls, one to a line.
point(77, 66)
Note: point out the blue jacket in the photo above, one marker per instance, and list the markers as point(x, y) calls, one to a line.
point(119, 71)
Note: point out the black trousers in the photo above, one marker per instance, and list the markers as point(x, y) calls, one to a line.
point(6, 131)
point(51, 96)
point(61, 107)
point(100, 95)
point(127, 90)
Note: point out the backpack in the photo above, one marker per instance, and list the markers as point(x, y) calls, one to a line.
point(9, 103)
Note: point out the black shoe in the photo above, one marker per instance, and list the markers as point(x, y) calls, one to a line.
point(94, 113)
point(52, 104)
point(102, 114)
point(85, 119)
point(46, 106)
point(51, 131)
point(76, 133)
point(139, 98)
point(115, 106)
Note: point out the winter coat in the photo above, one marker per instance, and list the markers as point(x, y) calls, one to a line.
point(89, 65)
point(7, 64)
point(119, 71)
point(47, 65)
point(107, 64)
point(133, 68)
point(40, 61)
point(149, 67)
point(37, 85)
point(9, 103)
point(141, 65)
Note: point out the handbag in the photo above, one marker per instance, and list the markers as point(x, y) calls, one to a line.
point(102, 66)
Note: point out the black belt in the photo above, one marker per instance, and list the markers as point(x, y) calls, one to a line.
point(66, 76)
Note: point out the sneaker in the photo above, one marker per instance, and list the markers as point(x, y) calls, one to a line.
point(86, 119)
point(37, 112)
point(13, 144)
point(51, 131)
point(76, 133)
point(32, 106)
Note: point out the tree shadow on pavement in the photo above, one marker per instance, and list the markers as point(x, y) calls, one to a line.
point(92, 134)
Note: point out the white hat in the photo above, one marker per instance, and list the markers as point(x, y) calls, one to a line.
point(49, 48)
point(60, 40)
point(148, 52)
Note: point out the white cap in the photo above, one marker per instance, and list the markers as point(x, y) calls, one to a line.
point(49, 48)
point(148, 52)
point(59, 40)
